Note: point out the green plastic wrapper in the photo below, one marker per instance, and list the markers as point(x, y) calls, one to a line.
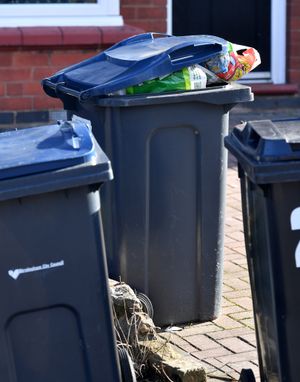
point(190, 78)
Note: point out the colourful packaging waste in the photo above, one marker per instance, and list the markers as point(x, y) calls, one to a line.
point(235, 63)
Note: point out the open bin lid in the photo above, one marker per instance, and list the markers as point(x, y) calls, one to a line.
point(268, 151)
point(130, 62)
point(40, 149)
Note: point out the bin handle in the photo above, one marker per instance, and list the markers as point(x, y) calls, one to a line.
point(60, 86)
point(248, 139)
point(250, 143)
point(68, 128)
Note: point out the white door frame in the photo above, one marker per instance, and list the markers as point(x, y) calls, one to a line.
point(278, 43)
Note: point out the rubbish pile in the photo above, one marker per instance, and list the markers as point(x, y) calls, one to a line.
point(151, 353)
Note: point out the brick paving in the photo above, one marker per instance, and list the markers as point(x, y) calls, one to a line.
point(228, 344)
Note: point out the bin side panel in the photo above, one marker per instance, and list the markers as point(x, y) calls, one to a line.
point(185, 243)
point(212, 185)
point(57, 325)
point(286, 204)
point(271, 221)
point(171, 218)
point(55, 304)
point(159, 240)
point(260, 248)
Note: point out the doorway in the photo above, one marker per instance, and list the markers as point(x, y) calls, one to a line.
point(259, 24)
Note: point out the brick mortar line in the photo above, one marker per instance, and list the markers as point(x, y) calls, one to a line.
point(220, 369)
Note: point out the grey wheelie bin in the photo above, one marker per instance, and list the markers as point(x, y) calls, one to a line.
point(55, 314)
point(268, 155)
point(164, 213)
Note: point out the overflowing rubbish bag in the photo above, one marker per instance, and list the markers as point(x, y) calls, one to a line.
point(154, 63)
point(231, 64)
point(194, 77)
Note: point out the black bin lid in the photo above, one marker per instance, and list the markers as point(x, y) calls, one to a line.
point(268, 151)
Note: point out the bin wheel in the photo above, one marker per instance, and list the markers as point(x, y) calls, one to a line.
point(126, 364)
point(146, 304)
point(247, 376)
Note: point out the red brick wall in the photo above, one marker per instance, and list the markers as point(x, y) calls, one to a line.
point(293, 41)
point(22, 71)
point(150, 15)
point(27, 55)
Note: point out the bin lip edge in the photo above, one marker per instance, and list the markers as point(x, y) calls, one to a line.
point(95, 172)
point(231, 94)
